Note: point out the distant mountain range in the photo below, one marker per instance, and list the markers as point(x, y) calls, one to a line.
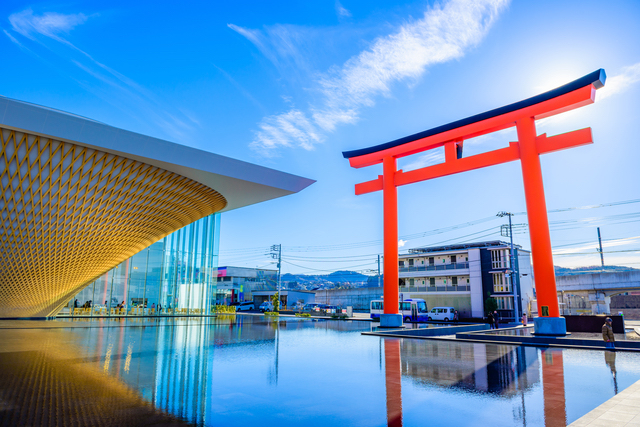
point(562, 271)
point(335, 277)
point(354, 279)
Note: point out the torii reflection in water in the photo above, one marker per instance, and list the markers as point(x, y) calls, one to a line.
point(488, 369)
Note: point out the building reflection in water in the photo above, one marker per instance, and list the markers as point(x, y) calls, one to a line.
point(505, 371)
point(494, 369)
point(169, 367)
point(49, 382)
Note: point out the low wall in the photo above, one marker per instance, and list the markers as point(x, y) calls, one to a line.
point(593, 323)
point(629, 313)
point(625, 301)
point(358, 298)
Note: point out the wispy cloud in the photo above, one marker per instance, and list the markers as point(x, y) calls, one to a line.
point(291, 129)
point(52, 30)
point(240, 89)
point(282, 45)
point(605, 244)
point(444, 33)
point(341, 11)
point(430, 158)
point(620, 82)
point(50, 24)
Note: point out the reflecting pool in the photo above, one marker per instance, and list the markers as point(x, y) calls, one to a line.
point(252, 370)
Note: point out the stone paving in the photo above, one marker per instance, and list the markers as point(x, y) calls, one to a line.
point(621, 410)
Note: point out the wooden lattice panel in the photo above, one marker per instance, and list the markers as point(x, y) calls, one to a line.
point(69, 213)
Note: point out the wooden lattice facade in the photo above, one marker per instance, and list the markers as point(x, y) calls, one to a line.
point(70, 213)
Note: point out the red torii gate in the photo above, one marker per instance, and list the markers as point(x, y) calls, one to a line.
point(527, 149)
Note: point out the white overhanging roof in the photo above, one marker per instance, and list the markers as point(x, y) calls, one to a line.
point(241, 183)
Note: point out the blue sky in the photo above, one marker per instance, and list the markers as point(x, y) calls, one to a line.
point(290, 86)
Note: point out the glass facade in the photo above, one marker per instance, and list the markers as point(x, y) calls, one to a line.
point(175, 276)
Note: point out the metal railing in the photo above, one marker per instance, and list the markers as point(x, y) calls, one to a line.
point(439, 267)
point(455, 288)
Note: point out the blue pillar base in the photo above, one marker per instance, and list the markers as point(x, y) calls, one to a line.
point(391, 321)
point(550, 326)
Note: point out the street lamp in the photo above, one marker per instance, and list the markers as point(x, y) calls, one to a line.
point(512, 265)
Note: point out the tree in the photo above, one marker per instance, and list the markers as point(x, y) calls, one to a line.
point(275, 299)
point(490, 305)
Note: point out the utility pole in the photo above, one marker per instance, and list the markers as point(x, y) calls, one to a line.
point(378, 270)
point(276, 253)
point(513, 268)
point(601, 254)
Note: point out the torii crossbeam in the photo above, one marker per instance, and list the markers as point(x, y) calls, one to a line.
point(527, 149)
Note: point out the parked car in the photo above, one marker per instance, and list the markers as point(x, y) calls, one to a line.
point(296, 306)
point(245, 306)
point(308, 308)
point(266, 306)
point(442, 313)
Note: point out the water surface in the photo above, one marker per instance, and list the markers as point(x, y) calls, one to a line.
point(252, 370)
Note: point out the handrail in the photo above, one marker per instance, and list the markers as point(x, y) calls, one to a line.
point(438, 267)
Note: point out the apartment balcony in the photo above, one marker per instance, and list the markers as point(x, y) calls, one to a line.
point(424, 288)
point(439, 267)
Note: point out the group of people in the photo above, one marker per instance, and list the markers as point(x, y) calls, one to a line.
point(494, 319)
point(87, 304)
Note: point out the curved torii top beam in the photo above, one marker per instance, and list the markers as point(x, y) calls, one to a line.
point(541, 106)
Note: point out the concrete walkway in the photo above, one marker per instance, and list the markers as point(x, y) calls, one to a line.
point(621, 410)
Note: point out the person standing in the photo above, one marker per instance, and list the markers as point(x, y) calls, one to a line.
point(490, 319)
point(496, 318)
point(607, 334)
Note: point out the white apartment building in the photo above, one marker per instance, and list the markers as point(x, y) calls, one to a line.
point(465, 275)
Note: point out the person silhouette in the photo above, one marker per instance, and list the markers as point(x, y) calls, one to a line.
point(610, 360)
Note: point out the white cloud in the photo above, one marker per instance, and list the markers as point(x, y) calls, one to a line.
point(50, 24)
point(116, 88)
point(444, 33)
point(341, 11)
point(401, 243)
point(291, 129)
point(619, 83)
point(280, 44)
point(605, 244)
point(430, 158)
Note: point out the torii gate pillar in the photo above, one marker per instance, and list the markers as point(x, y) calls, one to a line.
point(390, 318)
point(550, 323)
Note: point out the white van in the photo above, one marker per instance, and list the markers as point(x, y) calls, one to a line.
point(266, 306)
point(411, 309)
point(444, 314)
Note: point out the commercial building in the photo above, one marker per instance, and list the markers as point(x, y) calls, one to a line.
point(237, 284)
point(289, 298)
point(465, 275)
point(174, 276)
point(79, 198)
